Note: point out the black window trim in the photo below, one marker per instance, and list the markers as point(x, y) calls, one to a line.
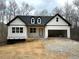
point(57, 19)
point(32, 30)
point(32, 20)
point(17, 30)
point(38, 21)
point(13, 29)
point(21, 29)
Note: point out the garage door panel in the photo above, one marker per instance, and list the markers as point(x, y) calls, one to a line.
point(57, 33)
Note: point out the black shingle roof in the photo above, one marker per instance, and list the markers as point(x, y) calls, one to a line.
point(44, 19)
point(27, 19)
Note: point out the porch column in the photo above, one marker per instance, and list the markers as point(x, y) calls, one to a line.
point(68, 33)
point(26, 33)
point(46, 33)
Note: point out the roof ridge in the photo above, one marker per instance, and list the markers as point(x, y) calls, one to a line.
point(33, 16)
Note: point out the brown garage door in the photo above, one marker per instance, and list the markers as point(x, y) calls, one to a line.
point(57, 33)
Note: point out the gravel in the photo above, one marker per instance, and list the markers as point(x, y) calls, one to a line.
point(57, 48)
point(71, 47)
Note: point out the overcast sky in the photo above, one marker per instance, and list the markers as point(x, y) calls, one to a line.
point(45, 4)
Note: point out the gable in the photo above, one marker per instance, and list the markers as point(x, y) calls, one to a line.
point(60, 21)
point(17, 21)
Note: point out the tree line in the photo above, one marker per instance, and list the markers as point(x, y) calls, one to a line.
point(69, 12)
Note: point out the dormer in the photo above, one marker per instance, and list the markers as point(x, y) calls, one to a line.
point(32, 21)
point(38, 20)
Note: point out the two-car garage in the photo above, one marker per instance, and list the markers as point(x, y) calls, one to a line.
point(57, 27)
point(57, 33)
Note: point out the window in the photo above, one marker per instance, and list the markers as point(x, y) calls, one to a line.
point(32, 30)
point(21, 29)
point(17, 29)
point(57, 19)
point(13, 29)
point(32, 21)
point(39, 20)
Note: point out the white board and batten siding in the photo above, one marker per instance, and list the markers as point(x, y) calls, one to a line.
point(17, 23)
point(54, 25)
point(51, 25)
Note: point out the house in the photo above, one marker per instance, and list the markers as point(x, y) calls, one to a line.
point(23, 27)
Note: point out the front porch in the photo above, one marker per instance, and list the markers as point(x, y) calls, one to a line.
point(35, 32)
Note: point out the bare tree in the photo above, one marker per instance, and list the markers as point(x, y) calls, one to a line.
point(2, 15)
point(67, 11)
point(76, 3)
point(26, 8)
point(18, 11)
point(57, 10)
point(36, 13)
point(2, 10)
point(11, 9)
point(43, 13)
point(73, 18)
point(70, 14)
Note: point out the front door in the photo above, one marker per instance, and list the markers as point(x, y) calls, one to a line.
point(41, 32)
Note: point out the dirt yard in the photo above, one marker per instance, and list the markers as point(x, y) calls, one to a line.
point(42, 49)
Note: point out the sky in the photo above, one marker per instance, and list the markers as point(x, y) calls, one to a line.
point(44, 4)
point(39, 4)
